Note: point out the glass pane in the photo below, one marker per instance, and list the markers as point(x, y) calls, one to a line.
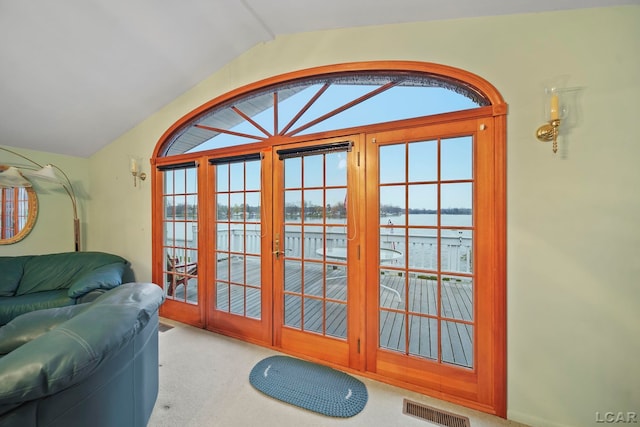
point(237, 238)
point(254, 308)
point(423, 337)
point(336, 205)
point(336, 169)
point(237, 270)
point(292, 205)
point(456, 160)
point(293, 276)
point(253, 271)
point(292, 243)
point(169, 207)
point(222, 268)
point(337, 282)
point(392, 285)
point(392, 164)
point(423, 204)
point(293, 172)
point(222, 296)
point(260, 109)
point(292, 311)
point(222, 239)
point(236, 178)
point(313, 315)
point(223, 212)
point(423, 161)
point(252, 238)
point(457, 298)
point(456, 251)
point(423, 294)
point(392, 205)
point(237, 299)
point(457, 204)
point(191, 183)
point(457, 343)
point(179, 184)
point(392, 330)
point(313, 171)
point(313, 279)
point(313, 205)
point(253, 175)
point(237, 207)
point(337, 243)
point(253, 206)
point(222, 178)
point(336, 320)
point(291, 101)
point(422, 249)
point(169, 177)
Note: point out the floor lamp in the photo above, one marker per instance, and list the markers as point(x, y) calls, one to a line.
point(52, 173)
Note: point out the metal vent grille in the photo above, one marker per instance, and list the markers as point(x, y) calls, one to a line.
point(163, 327)
point(434, 415)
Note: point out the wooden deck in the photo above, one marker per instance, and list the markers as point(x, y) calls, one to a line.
point(415, 309)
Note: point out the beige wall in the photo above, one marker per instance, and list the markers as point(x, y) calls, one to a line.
point(573, 233)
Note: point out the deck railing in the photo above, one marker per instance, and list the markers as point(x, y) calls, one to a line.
point(420, 252)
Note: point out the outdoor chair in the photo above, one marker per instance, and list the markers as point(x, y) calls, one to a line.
point(179, 274)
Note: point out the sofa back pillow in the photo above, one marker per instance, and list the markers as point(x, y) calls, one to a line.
point(11, 270)
point(59, 271)
point(106, 277)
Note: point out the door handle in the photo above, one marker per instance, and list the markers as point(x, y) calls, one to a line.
point(276, 245)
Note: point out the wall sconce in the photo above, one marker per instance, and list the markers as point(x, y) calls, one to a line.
point(134, 167)
point(556, 112)
point(561, 111)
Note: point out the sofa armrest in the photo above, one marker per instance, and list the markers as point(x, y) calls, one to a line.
point(73, 350)
point(105, 277)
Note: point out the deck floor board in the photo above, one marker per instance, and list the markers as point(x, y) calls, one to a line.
point(415, 310)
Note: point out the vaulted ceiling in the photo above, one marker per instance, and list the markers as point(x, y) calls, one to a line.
point(77, 74)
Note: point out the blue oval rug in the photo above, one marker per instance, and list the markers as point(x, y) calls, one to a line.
point(310, 386)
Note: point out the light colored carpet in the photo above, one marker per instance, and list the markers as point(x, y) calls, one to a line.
point(204, 381)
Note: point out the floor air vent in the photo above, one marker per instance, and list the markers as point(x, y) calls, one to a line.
point(163, 327)
point(434, 415)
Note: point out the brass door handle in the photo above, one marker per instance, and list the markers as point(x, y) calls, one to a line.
point(276, 245)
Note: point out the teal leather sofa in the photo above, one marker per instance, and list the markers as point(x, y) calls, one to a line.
point(35, 282)
point(89, 365)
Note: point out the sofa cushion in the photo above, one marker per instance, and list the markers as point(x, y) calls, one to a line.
point(59, 271)
point(11, 270)
point(106, 277)
point(11, 307)
point(29, 326)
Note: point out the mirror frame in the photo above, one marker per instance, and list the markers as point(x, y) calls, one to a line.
point(32, 207)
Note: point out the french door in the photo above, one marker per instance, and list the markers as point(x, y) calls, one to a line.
point(432, 282)
point(377, 252)
point(317, 296)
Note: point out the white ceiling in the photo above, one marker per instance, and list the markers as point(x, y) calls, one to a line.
point(77, 74)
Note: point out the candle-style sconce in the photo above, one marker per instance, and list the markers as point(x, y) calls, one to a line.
point(134, 167)
point(559, 105)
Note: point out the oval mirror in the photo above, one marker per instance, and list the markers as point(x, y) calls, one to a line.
point(18, 212)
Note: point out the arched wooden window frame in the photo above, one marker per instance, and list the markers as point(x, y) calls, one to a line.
point(497, 109)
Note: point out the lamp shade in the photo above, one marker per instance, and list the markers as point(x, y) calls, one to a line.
point(47, 173)
point(11, 177)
